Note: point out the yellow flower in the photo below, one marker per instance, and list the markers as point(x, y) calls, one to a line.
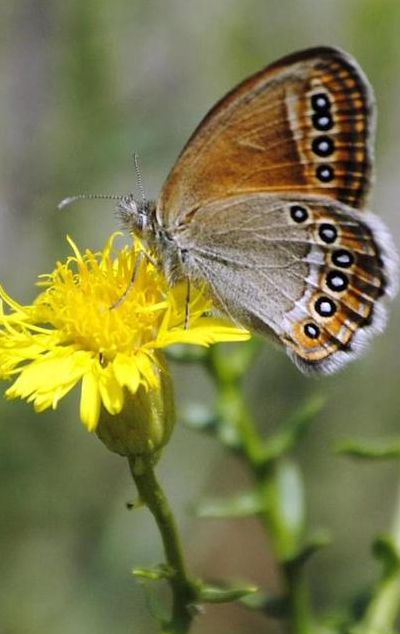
point(84, 327)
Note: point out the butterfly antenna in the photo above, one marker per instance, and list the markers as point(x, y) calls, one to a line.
point(70, 200)
point(139, 177)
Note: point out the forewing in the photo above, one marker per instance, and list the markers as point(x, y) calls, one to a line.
point(311, 272)
point(304, 124)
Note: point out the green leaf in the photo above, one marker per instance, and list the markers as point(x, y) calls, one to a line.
point(245, 504)
point(295, 429)
point(219, 594)
point(290, 498)
point(153, 574)
point(360, 629)
point(377, 449)
point(336, 622)
point(200, 418)
point(229, 435)
point(274, 607)
point(315, 543)
point(303, 416)
point(385, 549)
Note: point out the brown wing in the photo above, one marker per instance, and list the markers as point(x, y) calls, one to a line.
point(304, 124)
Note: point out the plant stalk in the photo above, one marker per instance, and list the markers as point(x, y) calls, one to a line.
point(184, 591)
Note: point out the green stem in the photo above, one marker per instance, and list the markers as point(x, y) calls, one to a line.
point(384, 606)
point(184, 592)
point(284, 545)
point(299, 603)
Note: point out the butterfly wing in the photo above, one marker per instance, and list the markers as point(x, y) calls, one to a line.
point(304, 124)
point(312, 272)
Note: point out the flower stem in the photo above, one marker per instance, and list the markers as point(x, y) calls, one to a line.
point(184, 591)
point(299, 603)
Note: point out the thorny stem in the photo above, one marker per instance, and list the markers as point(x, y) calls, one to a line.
point(183, 589)
point(233, 410)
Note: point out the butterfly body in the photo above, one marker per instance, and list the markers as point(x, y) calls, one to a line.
point(265, 204)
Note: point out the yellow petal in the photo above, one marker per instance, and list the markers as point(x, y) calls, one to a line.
point(111, 392)
point(126, 372)
point(90, 401)
point(146, 368)
point(44, 400)
point(204, 332)
point(47, 374)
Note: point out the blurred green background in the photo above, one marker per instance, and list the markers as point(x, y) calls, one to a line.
point(83, 85)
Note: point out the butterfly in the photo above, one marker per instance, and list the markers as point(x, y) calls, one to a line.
point(266, 204)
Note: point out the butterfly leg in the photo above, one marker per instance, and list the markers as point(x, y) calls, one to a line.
point(150, 259)
point(142, 255)
point(187, 304)
point(131, 284)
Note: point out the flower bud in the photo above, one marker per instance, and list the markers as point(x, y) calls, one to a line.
point(146, 421)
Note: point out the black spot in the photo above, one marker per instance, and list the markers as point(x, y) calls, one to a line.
point(311, 330)
point(322, 121)
point(325, 173)
point(325, 306)
point(342, 258)
point(298, 213)
point(320, 102)
point(323, 146)
point(327, 233)
point(337, 281)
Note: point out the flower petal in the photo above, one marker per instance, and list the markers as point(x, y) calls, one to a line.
point(111, 392)
point(90, 404)
point(205, 331)
point(146, 366)
point(126, 372)
point(45, 375)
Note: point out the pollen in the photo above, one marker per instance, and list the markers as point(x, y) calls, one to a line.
point(94, 302)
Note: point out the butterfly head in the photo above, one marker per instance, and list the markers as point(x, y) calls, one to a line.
point(136, 216)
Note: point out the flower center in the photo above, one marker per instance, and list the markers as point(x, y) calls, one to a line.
point(98, 307)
